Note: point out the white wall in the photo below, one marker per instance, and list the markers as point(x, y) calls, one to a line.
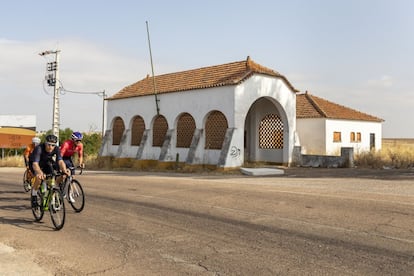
point(316, 135)
point(312, 136)
point(348, 126)
point(196, 102)
point(199, 103)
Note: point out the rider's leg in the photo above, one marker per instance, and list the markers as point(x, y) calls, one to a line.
point(69, 164)
point(29, 175)
point(35, 187)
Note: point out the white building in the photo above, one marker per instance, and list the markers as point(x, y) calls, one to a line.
point(324, 127)
point(222, 115)
point(20, 121)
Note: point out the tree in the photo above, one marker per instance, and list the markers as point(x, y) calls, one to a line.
point(91, 141)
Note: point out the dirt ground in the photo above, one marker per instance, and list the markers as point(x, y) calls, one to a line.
point(390, 174)
point(310, 172)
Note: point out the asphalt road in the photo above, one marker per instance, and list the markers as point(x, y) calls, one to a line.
point(307, 222)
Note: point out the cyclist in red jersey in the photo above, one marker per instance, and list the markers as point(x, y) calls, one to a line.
point(70, 147)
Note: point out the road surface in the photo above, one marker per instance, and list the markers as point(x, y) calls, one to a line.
point(309, 222)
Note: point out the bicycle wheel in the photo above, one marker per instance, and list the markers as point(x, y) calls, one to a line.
point(38, 210)
point(75, 196)
point(27, 186)
point(57, 208)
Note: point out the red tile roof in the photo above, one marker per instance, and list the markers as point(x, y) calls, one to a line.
point(310, 106)
point(213, 76)
point(307, 105)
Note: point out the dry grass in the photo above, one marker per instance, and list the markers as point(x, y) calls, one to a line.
point(12, 161)
point(395, 153)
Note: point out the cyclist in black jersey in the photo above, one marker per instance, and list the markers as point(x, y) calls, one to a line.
point(44, 158)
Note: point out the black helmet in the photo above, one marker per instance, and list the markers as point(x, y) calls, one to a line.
point(52, 139)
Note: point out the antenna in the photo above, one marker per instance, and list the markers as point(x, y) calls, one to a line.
point(152, 68)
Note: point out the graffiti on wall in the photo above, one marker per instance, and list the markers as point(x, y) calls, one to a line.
point(235, 152)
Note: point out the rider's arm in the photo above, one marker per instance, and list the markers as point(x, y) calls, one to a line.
point(26, 156)
point(63, 167)
point(61, 163)
point(38, 172)
point(80, 155)
point(36, 159)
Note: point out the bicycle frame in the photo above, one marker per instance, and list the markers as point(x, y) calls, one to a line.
point(68, 179)
point(47, 195)
point(50, 200)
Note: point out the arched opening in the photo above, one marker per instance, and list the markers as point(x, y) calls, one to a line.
point(159, 130)
point(185, 130)
point(215, 128)
point(265, 132)
point(137, 130)
point(118, 129)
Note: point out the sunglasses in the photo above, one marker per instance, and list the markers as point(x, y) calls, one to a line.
point(51, 144)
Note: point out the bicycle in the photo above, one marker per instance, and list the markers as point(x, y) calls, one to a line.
point(74, 194)
point(50, 199)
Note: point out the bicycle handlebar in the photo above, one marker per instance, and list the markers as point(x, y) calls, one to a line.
point(81, 170)
point(77, 167)
point(59, 173)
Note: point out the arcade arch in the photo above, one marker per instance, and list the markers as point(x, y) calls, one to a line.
point(118, 129)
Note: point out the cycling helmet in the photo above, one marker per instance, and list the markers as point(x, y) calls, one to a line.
point(77, 136)
point(36, 140)
point(52, 139)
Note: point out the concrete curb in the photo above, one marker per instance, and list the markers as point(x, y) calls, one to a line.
point(261, 171)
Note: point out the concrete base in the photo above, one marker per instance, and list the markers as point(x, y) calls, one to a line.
point(261, 171)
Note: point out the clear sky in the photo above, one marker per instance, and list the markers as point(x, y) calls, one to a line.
point(357, 53)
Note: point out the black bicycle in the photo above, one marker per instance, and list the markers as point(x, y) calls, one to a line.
point(73, 192)
point(50, 198)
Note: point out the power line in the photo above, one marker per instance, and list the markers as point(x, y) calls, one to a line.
point(52, 79)
point(99, 93)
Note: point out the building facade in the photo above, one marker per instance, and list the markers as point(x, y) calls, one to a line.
point(221, 115)
point(229, 114)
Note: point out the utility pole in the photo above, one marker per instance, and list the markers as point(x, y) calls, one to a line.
point(52, 78)
point(103, 112)
point(152, 69)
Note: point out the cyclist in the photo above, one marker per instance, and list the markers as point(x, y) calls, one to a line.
point(26, 155)
point(70, 147)
point(44, 158)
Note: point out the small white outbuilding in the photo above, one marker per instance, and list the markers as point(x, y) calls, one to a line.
point(325, 127)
